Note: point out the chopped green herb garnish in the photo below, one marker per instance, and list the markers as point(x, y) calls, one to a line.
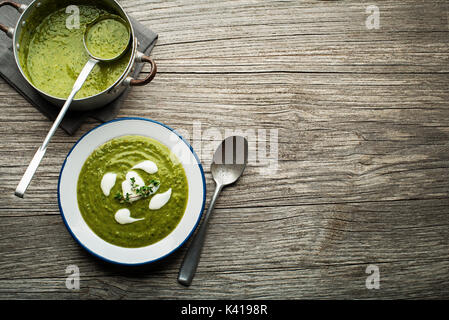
point(141, 192)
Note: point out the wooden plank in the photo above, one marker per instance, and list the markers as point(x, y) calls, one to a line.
point(275, 253)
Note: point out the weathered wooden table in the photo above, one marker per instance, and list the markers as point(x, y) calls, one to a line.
point(362, 117)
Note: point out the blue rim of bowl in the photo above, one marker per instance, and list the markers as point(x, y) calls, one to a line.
point(188, 236)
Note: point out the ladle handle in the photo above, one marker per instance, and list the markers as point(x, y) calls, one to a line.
point(34, 164)
point(192, 257)
point(19, 7)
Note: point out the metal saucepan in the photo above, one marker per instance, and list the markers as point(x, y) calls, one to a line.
point(29, 19)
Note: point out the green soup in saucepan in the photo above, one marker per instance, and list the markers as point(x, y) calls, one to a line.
point(132, 191)
point(56, 55)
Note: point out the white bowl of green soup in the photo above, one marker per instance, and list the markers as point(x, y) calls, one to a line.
point(131, 191)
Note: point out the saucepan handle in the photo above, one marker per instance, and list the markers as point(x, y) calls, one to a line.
point(19, 7)
point(141, 82)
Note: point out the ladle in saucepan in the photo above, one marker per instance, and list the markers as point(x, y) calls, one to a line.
point(93, 61)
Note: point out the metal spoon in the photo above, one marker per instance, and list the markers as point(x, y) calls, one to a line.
point(34, 164)
point(228, 165)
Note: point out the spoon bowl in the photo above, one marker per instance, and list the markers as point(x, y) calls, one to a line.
point(229, 160)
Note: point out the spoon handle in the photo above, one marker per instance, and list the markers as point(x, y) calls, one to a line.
point(34, 164)
point(192, 257)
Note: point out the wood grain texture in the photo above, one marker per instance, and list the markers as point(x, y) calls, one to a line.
point(363, 131)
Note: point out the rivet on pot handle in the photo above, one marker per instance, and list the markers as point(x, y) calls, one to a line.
point(19, 7)
point(140, 57)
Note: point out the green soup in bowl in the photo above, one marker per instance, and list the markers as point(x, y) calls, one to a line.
point(104, 192)
point(89, 207)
